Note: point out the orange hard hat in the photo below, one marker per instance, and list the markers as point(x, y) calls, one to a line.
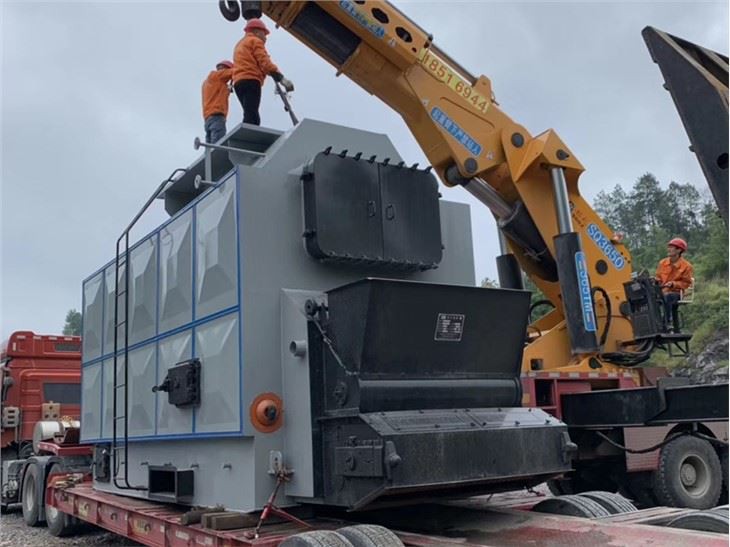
point(679, 243)
point(255, 24)
point(225, 63)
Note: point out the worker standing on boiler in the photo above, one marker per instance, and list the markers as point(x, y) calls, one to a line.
point(251, 65)
point(215, 101)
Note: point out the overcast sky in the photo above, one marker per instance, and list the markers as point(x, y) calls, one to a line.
point(101, 101)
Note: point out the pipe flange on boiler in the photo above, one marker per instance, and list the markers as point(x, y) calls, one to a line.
point(267, 412)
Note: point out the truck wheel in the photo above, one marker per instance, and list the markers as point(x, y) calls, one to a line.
point(615, 504)
point(574, 506)
point(30, 501)
point(689, 474)
point(704, 521)
point(560, 487)
point(59, 524)
point(318, 538)
point(579, 481)
point(723, 466)
point(370, 535)
point(26, 451)
point(637, 487)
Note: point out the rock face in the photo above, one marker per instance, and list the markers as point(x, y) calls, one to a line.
point(710, 366)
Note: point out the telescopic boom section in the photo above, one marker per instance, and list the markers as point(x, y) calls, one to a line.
point(451, 113)
point(465, 136)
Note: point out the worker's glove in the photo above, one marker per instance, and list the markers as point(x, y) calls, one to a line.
point(288, 85)
point(279, 79)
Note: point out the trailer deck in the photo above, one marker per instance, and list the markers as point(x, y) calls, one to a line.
point(477, 522)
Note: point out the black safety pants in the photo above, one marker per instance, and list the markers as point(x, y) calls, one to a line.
point(671, 307)
point(249, 94)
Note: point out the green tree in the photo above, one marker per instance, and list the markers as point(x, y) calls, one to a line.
point(649, 216)
point(73, 323)
point(712, 252)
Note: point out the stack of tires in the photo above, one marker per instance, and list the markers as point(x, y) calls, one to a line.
point(361, 535)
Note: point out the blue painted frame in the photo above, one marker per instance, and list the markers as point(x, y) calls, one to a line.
point(190, 326)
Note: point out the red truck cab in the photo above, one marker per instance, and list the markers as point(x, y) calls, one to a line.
point(40, 374)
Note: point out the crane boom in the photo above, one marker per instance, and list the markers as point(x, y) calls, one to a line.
point(470, 141)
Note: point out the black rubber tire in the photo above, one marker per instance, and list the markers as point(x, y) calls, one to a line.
point(615, 504)
point(686, 460)
point(584, 479)
point(570, 505)
point(638, 489)
point(560, 487)
point(29, 495)
point(26, 451)
point(370, 535)
point(59, 524)
point(724, 468)
point(318, 538)
point(705, 521)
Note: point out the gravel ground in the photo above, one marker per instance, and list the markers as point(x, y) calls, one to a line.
point(14, 533)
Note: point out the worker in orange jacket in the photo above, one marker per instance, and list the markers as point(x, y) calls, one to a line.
point(215, 101)
point(674, 274)
point(251, 65)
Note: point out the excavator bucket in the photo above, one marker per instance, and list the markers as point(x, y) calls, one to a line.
point(697, 79)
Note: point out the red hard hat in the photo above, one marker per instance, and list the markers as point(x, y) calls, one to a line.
point(225, 63)
point(255, 23)
point(679, 243)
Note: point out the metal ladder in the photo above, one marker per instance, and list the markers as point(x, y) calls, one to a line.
point(122, 260)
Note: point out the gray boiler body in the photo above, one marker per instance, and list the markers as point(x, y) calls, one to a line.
point(224, 286)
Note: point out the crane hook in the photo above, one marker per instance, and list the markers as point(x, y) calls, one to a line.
point(229, 9)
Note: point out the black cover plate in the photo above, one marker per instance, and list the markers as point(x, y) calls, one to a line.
point(371, 214)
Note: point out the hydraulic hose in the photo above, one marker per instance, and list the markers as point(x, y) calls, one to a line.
point(538, 303)
point(621, 358)
point(630, 358)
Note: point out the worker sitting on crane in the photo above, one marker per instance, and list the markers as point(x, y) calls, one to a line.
point(674, 275)
point(251, 65)
point(215, 101)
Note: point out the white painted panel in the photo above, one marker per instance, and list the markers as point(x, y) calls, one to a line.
point(93, 303)
point(109, 288)
point(217, 348)
point(107, 397)
point(216, 256)
point(141, 380)
point(176, 273)
point(91, 402)
point(143, 291)
point(170, 419)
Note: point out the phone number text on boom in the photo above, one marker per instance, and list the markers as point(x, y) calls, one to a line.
point(439, 69)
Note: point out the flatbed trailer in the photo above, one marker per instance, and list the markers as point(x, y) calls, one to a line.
point(616, 422)
point(470, 523)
